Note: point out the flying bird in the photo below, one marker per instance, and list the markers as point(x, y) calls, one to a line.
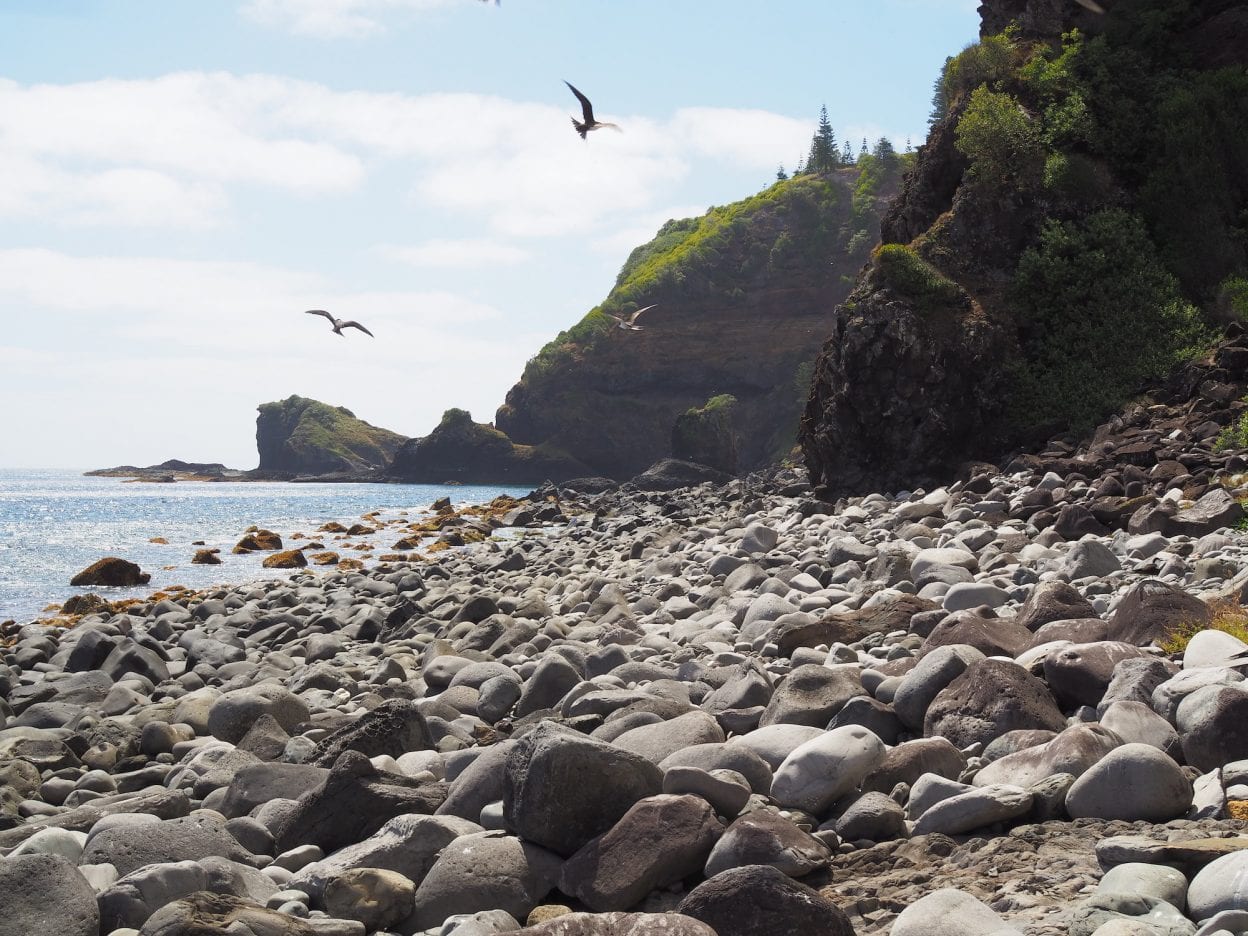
point(339, 324)
point(630, 323)
point(1091, 5)
point(587, 111)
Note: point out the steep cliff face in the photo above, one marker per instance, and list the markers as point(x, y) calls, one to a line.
point(743, 298)
point(1070, 229)
point(461, 450)
point(301, 436)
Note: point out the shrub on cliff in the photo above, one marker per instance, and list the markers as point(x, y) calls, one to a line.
point(1001, 140)
point(902, 270)
point(1099, 313)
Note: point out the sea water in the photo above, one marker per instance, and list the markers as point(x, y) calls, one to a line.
point(53, 524)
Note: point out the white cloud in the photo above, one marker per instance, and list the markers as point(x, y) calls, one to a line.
point(177, 151)
point(455, 253)
point(214, 339)
point(332, 19)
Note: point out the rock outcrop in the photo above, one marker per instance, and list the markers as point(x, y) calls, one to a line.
point(743, 297)
point(298, 436)
point(1046, 255)
point(459, 449)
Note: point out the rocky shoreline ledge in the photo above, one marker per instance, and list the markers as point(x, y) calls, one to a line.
point(724, 709)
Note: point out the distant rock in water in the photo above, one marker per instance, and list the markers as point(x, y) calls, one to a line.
point(172, 470)
point(743, 297)
point(459, 449)
point(299, 436)
point(111, 571)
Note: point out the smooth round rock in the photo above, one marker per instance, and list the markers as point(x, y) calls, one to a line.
point(1134, 781)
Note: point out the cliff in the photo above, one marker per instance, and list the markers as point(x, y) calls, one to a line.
point(743, 297)
point(1074, 226)
point(461, 450)
point(298, 436)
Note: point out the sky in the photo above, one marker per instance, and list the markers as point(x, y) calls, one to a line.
point(181, 179)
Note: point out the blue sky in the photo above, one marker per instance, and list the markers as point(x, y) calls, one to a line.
point(179, 180)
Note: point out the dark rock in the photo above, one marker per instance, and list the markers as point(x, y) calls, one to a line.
point(208, 914)
point(988, 699)
point(659, 841)
point(44, 895)
point(111, 571)
point(672, 473)
point(1053, 601)
point(707, 435)
point(288, 559)
point(256, 784)
point(259, 540)
point(355, 801)
point(1151, 610)
point(1080, 674)
point(1213, 511)
point(459, 449)
point(561, 789)
point(619, 924)
point(811, 694)
point(758, 900)
point(394, 727)
point(190, 838)
point(764, 837)
point(989, 635)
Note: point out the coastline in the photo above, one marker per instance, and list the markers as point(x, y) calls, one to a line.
point(737, 669)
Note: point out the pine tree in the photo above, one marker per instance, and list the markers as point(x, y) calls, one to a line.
point(940, 98)
point(909, 146)
point(801, 166)
point(863, 152)
point(781, 175)
point(823, 153)
point(847, 154)
point(885, 152)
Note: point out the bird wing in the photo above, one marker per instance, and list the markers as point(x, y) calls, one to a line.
point(587, 109)
point(359, 326)
point(319, 312)
point(1091, 5)
point(632, 319)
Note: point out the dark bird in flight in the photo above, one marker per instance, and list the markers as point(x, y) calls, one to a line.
point(339, 324)
point(587, 112)
point(630, 323)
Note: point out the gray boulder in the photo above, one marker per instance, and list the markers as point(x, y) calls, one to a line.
point(45, 895)
point(990, 698)
point(561, 789)
point(1132, 782)
point(484, 871)
point(660, 840)
point(758, 900)
point(764, 837)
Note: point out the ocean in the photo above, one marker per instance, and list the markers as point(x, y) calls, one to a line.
point(53, 524)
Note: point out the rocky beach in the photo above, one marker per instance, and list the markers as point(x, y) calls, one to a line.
point(1013, 703)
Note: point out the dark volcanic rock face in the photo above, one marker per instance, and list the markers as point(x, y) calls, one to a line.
point(459, 449)
point(970, 333)
point(302, 436)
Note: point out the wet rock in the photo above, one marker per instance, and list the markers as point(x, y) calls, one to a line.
point(111, 571)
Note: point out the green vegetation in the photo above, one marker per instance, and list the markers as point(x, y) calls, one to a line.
point(1100, 313)
point(1235, 435)
point(987, 62)
point(316, 434)
point(1001, 140)
point(705, 434)
point(901, 269)
point(795, 224)
point(1233, 297)
point(1228, 617)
